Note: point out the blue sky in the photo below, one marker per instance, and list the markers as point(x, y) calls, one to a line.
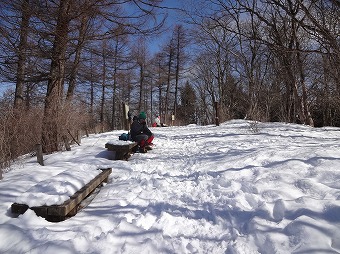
point(155, 43)
point(173, 19)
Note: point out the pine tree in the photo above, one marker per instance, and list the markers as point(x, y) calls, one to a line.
point(187, 108)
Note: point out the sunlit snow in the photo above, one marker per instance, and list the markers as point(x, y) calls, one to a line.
point(240, 187)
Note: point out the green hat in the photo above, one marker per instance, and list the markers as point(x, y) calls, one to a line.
point(142, 115)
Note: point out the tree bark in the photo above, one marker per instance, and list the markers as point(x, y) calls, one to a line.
point(24, 26)
point(53, 100)
point(79, 47)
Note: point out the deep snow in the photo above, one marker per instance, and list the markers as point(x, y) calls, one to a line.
point(240, 187)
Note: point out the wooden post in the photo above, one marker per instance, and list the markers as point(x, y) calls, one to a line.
point(217, 121)
point(79, 136)
point(40, 159)
point(67, 144)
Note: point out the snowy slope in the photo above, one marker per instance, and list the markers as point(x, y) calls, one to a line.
point(202, 189)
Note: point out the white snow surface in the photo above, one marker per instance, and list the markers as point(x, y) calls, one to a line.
point(59, 188)
point(240, 187)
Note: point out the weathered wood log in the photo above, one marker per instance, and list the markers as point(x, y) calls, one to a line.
point(39, 151)
point(79, 134)
point(123, 151)
point(68, 208)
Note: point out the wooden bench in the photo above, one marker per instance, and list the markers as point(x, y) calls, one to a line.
point(123, 149)
point(70, 207)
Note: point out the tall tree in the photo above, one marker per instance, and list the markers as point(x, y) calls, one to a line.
point(141, 56)
point(187, 111)
point(181, 41)
point(53, 100)
point(159, 62)
point(83, 28)
point(120, 58)
point(170, 58)
point(22, 53)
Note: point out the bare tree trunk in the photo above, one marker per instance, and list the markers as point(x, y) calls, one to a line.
point(91, 87)
point(79, 47)
point(141, 85)
point(140, 52)
point(102, 103)
point(179, 57)
point(19, 94)
point(160, 83)
point(53, 100)
point(305, 109)
point(168, 84)
point(115, 68)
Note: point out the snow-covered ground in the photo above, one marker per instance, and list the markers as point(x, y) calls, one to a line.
point(236, 188)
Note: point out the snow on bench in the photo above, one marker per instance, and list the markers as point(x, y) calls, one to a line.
point(59, 197)
point(123, 149)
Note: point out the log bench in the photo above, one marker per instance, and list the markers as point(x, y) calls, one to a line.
point(123, 149)
point(70, 207)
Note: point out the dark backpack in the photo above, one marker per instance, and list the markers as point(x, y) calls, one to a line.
point(124, 136)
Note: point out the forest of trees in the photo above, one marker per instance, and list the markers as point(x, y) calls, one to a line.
point(73, 64)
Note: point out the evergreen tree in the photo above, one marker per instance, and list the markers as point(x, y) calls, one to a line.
point(187, 109)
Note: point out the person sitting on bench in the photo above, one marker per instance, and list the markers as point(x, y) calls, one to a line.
point(140, 133)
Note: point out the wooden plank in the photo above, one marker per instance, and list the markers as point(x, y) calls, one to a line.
point(123, 151)
point(125, 147)
point(40, 211)
point(76, 198)
point(19, 208)
point(58, 212)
